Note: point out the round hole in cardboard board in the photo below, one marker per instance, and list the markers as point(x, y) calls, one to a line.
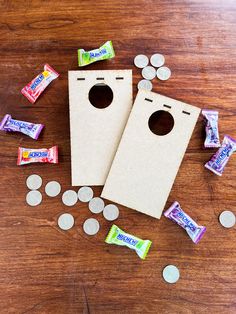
point(161, 122)
point(100, 96)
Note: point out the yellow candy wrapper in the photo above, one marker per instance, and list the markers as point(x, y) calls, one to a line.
point(119, 237)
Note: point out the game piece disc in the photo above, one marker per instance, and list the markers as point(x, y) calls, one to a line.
point(34, 198)
point(52, 188)
point(34, 182)
point(65, 221)
point(69, 198)
point(157, 60)
point(145, 84)
point(148, 72)
point(163, 73)
point(227, 219)
point(85, 194)
point(91, 226)
point(171, 274)
point(141, 61)
point(111, 212)
point(96, 205)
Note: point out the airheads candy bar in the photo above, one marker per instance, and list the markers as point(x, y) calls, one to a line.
point(106, 51)
point(176, 214)
point(221, 157)
point(212, 132)
point(11, 125)
point(28, 155)
point(35, 88)
point(119, 237)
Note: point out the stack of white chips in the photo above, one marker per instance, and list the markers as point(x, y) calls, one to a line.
point(149, 72)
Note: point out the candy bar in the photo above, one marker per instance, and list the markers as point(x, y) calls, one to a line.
point(35, 88)
point(219, 160)
point(211, 127)
point(176, 214)
point(28, 155)
point(11, 125)
point(119, 237)
point(106, 51)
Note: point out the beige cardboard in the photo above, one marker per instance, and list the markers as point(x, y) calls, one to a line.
point(95, 133)
point(145, 165)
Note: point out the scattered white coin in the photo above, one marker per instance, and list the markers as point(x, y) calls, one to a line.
point(34, 182)
point(171, 274)
point(141, 61)
point(65, 221)
point(52, 188)
point(163, 73)
point(227, 219)
point(69, 198)
point(145, 84)
point(34, 198)
point(157, 60)
point(91, 226)
point(85, 194)
point(96, 205)
point(111, 212)
point(148, 72)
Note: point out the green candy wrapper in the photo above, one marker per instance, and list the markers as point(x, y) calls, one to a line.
point(106, 51)
point(119, 237)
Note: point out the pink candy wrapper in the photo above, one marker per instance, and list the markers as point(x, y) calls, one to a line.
point(28, 155)
point(212, 132)
point(35, 88)
point(11, 125)
point(176, 214)
point(219, 160)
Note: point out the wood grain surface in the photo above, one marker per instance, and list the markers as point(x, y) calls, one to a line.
point(45, 270)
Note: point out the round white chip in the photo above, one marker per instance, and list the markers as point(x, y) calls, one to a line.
point(163, 73)
point(65, 221)
point(227, 219)
point(91, 226)
point(34, 182)
point(171, 274)
point(157, 60)
point(69, 198)
point(145, 84)
point(111, 212)
point(34, 198)
point(85, 194)
point(141, 61)
point(52, 188)
point(148, 72)
point(96, 205)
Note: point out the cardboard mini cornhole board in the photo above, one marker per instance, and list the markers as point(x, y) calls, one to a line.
point(145, 165)
point(96, 131)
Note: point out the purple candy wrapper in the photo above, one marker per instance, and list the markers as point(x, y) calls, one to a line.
point(219, 160)
point(176, 214)
point(31, 129)
point(212, 132)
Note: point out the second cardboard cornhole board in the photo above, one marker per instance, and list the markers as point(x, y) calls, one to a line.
point(96, 131)
point(145, 165)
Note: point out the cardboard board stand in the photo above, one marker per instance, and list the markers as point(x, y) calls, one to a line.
point(95, 125)
point(145, 165)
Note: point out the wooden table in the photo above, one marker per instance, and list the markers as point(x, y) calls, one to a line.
point(45, 270)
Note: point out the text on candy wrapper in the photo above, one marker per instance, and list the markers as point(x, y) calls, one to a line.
point(127, 239)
